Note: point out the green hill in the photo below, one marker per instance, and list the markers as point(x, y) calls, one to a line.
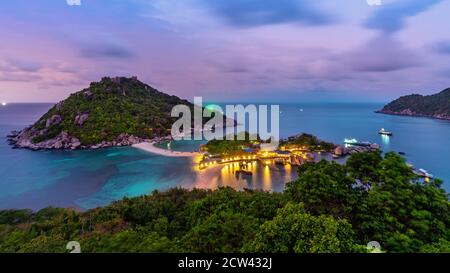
point(113, 112)
point(433, 106)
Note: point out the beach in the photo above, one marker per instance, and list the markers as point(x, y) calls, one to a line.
point(151, 148)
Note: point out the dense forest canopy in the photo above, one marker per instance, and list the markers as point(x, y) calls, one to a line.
point(329, 208)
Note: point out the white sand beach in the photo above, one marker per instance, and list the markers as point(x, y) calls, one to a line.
point(151, 148)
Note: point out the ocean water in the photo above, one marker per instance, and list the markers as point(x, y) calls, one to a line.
point(87, 179)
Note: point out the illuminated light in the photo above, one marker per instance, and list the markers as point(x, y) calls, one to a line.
point(4, 103)
point(214, 108)
point(350, 141)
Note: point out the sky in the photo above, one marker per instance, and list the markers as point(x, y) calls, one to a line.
point(227, 50)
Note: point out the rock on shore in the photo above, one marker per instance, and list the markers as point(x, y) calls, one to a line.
point(63, 141)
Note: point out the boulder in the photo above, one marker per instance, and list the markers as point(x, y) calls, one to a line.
point(81, 118)
point(88, 94)
point(59, 105)
point(58, 145)
point(75, 145)
point(54, 120)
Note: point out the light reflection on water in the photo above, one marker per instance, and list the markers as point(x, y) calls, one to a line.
point(269, 177)
point(385, 139)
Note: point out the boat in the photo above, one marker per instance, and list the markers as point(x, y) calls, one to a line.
point(355, 142)
point(424, 173)
point(384, 132)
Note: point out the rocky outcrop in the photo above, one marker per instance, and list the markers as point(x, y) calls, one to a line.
point(54, 120)
point(81, 118)
point(88, 94)
point(411, 113)
point(64, 141)
point(341, 151)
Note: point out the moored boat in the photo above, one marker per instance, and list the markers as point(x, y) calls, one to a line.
point(384, 132)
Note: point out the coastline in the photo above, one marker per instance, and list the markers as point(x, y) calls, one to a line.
point(411, 115)
point(151, 148)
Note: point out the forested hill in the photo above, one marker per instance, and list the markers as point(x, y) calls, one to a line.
point(113, 112)
point(433, 106)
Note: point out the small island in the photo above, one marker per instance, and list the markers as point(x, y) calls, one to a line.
point(116, 111)
point(294, 150)
point(433, 106)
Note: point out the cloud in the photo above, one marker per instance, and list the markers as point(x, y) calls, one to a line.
point(18, 77)
point(252, 13)
point(383, 54)
point(442, 47)
point(391, 17)
point(105, 49)
point(20, 65)
point(231, 65)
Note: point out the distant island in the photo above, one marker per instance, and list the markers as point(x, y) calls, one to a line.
point(116, 111)
point(432, 106)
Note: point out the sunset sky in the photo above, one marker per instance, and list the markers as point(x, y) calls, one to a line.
point(248, 50)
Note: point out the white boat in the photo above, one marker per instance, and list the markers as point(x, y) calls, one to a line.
point(424, 173)
point(384, 132)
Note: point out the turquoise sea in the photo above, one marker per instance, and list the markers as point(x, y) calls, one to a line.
point(87, 179)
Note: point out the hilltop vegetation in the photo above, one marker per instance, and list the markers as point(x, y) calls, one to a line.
point(308, 141)
point(235, 147)
point(329, 208)
point(113, 111)
point(434, 106)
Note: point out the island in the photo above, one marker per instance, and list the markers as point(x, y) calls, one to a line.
point(294, 150)
point(116, 111)
point(433, 106)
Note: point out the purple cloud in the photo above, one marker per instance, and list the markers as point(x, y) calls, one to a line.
point(442, 47)
point(382, 54)
point(391, 18)
point(105, 49)
point(251, 13)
